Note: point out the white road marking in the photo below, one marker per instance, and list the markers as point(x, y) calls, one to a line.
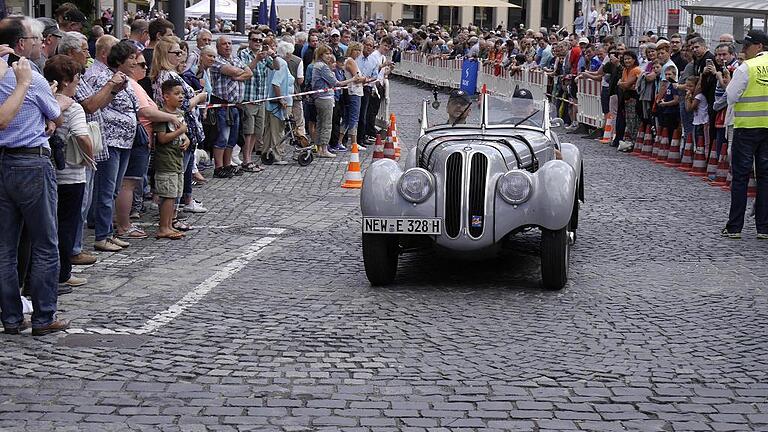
point(193, 297)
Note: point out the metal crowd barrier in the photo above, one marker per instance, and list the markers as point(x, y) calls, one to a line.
point(447, 73)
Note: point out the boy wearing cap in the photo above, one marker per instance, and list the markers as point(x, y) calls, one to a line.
point(747, 92)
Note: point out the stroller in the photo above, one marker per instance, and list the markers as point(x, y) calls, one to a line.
point(302, 151)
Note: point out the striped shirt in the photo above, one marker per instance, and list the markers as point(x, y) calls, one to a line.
point(257, 87)
point(83, 92)
point(224, 86)
point(27, 129)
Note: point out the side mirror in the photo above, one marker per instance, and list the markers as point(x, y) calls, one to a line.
point(556, 122)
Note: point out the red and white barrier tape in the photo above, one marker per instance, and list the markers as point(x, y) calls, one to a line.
point(325, 90)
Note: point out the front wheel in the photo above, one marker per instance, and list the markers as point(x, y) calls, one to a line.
point(305, 158)
point(555, 255)
point(380, 253)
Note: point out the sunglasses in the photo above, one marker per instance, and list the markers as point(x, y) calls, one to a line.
point(257, 40)
point(175, 52)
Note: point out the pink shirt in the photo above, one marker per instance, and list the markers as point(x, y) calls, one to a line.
point(144, 101)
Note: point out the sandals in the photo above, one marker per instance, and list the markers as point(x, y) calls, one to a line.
point(133, 233)
point(251, 167)
point(171, 236)
point(180, 226)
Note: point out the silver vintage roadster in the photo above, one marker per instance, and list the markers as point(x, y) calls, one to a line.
point(467, 187)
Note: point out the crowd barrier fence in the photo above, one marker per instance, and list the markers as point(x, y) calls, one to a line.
point(498, 80)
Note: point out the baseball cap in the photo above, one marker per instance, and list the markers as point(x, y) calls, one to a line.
point(51, 28)
point(755, 37)
point(584, 41)
point(335, 32)
point(75, 15)
point(460, 96)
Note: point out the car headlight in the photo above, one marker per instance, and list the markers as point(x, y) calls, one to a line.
point(515, 187)
point(416, 185)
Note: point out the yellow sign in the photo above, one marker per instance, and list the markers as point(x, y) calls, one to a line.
point(699, 20)
point(626, 10)
point(621, 2)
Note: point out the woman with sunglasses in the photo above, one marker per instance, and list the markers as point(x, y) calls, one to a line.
point(139, 159)
point(165, 62)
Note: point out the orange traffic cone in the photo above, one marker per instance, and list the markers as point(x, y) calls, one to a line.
point(378, 148)
point(699, 159)
point(637, 151)
point(673, 156)
point(395, 140)
point(661, 157)
point(353, 179)
point(712, 164)
point(389, 149)
point(608, 134)
point(686, 164)
point(721, 174)
point(647, 143)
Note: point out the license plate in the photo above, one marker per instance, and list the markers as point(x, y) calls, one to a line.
point(376, 225)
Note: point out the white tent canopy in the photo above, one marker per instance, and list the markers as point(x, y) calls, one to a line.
point(227, 9)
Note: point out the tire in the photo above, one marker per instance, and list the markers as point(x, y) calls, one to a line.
point(555, 257)
point(305, 158)
point(267, 158)
point(380, 253)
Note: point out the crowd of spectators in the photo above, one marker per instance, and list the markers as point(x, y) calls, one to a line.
point(131, 118)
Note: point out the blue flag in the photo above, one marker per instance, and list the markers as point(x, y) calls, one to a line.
point(263, 18)
point(273, 17)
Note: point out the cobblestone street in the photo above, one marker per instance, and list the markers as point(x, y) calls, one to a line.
point(262, 319)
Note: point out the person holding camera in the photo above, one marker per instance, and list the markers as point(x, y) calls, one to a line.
point(28, 111)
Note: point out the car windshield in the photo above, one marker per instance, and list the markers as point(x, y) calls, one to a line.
point(502, 111)
point(511, 111)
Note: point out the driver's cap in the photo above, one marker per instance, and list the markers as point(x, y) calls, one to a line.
point(522, 94)
point(460, 96)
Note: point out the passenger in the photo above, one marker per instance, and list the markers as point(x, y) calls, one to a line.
point(459, 107)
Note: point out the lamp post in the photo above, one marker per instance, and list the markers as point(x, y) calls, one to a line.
point(176, 14)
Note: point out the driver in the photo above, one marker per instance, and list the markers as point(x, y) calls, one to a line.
point(459, 107)
point(525, 108)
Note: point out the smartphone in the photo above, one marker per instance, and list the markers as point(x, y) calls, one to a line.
point(709, 62)
point(12, 58)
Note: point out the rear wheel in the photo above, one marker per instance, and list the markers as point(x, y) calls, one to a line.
point(380, 253)
point(267, 158)
point(555, 256)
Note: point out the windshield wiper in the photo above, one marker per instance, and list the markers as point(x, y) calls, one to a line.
point(529, 116)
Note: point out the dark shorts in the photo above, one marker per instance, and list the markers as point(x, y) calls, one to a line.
point(605, 100)
point(310, 112)
point(138, 163)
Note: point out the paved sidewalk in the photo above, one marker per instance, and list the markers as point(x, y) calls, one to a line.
point(262, 319)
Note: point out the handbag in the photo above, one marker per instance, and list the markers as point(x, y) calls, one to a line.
point(141, 137)
point(57, 152)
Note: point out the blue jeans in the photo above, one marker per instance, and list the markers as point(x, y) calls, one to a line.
point(227, 137)
point(749, 145)
point(84, 210)
point(28, 195)
point(106, 185)
point(352, 113)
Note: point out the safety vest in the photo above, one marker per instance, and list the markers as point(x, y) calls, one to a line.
point(751, 110)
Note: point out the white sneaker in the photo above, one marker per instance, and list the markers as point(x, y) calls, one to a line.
point(194, 207)
point(236, 160)
point(624, 146)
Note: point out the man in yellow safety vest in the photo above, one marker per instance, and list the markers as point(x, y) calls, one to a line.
point(748, 93)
